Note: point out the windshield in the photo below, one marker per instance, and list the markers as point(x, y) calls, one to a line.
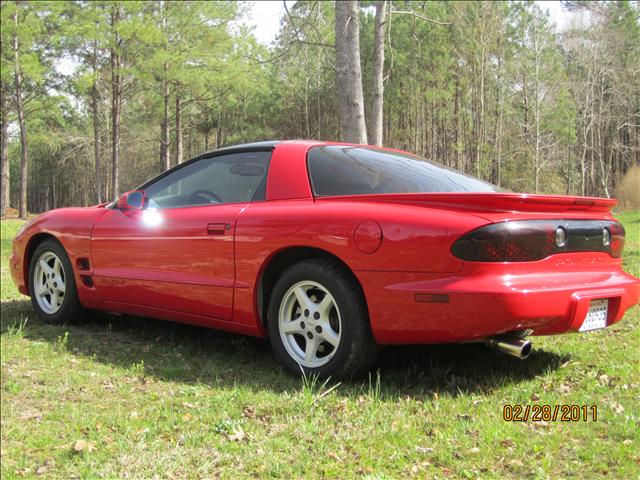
point(346, 170)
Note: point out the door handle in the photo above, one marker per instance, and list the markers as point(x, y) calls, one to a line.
point(217, 228)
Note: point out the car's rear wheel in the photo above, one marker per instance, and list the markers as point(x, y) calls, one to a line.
point(318, 321)
point(52, 284)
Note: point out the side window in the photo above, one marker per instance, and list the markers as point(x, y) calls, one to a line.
point(230, 178)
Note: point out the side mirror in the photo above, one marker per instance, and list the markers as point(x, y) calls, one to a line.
point(133, 200)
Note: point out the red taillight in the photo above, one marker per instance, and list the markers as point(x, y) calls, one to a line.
point(531, 240)
point(616, 242)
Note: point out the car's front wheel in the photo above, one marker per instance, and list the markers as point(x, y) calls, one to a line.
point(318, 321)
point(52, 284)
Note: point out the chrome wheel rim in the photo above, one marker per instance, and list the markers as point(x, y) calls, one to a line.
point(310, 324)
point(49, 283)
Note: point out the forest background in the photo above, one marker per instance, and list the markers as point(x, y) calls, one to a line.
point(490, 88)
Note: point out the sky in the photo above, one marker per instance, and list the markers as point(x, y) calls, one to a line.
point(265, 17)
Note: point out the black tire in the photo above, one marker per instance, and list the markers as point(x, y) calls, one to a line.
point(70, 309)
point(357, 350)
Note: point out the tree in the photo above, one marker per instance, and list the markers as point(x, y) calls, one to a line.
point(116, 95)
point(541, 80)
point(85, 35)
point(5, 185)
point(127, 31)
point(348, 73)
point(377, 84)
point(23, 23)
point(186, 44)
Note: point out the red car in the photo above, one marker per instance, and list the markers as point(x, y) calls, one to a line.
point(332, 250)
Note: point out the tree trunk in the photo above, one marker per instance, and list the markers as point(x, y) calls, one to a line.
point(24, 158)
point(5, 186)
point(96, 142)
point(165, 159)
point(96, 131)
point(349, 73)
point(178, 132)
point(377, 87)
point(164, 142)
point(116, 102)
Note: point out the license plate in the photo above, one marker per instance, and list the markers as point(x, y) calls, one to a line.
point(596, 316)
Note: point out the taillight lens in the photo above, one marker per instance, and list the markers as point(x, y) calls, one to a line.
point(616, 240)
point(531, 240)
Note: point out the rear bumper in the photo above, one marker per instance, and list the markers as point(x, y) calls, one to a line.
point(484, 300)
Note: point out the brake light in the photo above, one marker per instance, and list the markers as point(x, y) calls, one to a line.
point(616, 241)
point(531, 240)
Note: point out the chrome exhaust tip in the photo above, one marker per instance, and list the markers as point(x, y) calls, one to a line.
point(514, 346)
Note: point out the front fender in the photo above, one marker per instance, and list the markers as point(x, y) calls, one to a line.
point(70, 226)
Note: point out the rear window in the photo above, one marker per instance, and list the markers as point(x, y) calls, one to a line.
point(344, 170)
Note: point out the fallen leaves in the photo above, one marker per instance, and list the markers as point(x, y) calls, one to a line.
point(564, 388)
point(46, 466)
point(334, 456)
point(31, 414)
point(107, 385)
point(507, 443)
point(248, 412)
point(617, 408)
point(420, 449)
point(237, 435)
point(83, 446)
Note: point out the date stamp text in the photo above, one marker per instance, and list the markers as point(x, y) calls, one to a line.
point(550, 413)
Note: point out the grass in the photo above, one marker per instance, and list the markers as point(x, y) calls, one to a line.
point(123, 397)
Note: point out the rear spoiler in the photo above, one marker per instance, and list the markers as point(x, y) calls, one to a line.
point(491, 201)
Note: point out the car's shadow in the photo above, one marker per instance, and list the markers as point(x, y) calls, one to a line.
point(186, 354)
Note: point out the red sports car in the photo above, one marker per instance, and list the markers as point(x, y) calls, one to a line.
point(332, 250)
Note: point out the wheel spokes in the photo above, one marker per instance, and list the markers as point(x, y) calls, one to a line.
point(311, 349)
point(303, 299)
point(309, 323)
point(291, 327)
point(46, 268)
point(49, 282)
point(41, 289)
point(325, 306)
point(329, 335)
point(57, 267)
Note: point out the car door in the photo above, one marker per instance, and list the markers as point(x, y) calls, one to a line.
point(177, 254)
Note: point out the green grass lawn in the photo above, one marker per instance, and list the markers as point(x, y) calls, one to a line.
point(123, 397)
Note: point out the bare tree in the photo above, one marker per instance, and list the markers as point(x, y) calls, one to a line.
point(96, 123)
point(377, 87)
point(164, 142)
point(5, 198)
point(179, 148)
point(116, 99)
point(349, 73)
point(24, 158)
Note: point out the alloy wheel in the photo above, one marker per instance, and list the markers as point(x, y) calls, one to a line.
point(49, 282)
point(310, 324)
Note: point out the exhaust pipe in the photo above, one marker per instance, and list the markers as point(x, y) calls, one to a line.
point(514, 346)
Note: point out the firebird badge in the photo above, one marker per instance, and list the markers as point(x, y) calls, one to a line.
point(578, 261)
point(113, 282)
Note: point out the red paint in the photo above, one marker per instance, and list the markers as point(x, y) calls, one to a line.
point(202, 265)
